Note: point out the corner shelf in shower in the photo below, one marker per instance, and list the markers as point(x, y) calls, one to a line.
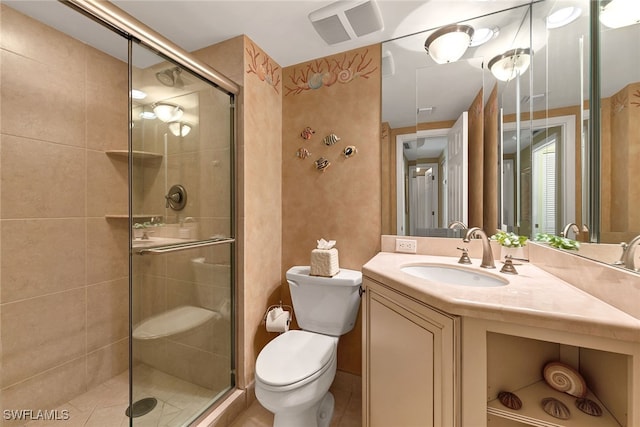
point(143, 155)
point(174, 321)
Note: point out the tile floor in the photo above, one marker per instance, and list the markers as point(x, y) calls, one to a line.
point(179, 401)
point(105, 405)
point(347, 390)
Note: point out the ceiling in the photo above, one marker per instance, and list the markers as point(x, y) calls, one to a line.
point(280, 28)
point(284, 31)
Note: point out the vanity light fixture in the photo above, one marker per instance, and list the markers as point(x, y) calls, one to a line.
point(483, 35)
point(510, 64)
point(180, 128)
point(167, 112)
point(620, 13)
point(562, 17)
point(449, 43)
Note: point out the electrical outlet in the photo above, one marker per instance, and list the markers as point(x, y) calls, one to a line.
point(406, 245)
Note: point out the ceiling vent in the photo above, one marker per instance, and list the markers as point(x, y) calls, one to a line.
point(346, 20)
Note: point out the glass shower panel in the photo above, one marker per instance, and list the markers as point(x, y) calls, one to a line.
point(182, 245)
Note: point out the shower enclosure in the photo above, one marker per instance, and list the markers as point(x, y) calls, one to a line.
point(117, 221)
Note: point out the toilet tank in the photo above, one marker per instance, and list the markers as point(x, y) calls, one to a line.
point(326, 305)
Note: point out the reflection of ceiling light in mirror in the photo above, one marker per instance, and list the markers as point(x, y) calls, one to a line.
point(564, 16)
point(147, 115)
point(179, 128)
point(138, 94)
point(510, 64)
point(448, 44)
point(620, 13)
point(483, 35)
point(167, 112)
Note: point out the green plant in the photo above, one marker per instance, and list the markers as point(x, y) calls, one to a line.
point(138, 226)
point(557, 241)
point(509, 240)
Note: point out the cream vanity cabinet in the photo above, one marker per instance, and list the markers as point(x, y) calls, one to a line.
point(410, 361)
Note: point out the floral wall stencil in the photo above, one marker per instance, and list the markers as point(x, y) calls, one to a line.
point(326, 72)
point(263, 68)
point(636, 95)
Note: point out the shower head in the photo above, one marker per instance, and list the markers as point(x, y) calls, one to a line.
point(170, 77)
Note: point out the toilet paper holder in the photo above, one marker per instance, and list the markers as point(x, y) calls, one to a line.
point(283, 307)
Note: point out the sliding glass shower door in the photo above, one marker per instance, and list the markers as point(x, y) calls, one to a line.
point(181, 216)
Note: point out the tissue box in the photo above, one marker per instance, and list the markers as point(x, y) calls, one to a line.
point(324, 262)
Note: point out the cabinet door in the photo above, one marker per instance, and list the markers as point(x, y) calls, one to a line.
point(410, 362)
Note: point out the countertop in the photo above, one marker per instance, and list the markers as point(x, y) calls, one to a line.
point(533, 297)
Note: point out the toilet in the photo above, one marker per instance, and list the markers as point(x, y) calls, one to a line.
point(295, 370)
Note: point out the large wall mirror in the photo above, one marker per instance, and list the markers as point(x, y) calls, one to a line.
point(531, 165)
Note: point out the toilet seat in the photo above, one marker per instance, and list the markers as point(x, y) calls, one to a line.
point(295, 358)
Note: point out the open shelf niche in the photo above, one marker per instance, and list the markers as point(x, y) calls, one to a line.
point(515, 364)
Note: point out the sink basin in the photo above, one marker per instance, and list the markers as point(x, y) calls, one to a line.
point(452, 275)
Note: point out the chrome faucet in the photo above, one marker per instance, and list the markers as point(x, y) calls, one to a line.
point(628, 253)
point(487, 254)
point(462, 225)
point(570, 226)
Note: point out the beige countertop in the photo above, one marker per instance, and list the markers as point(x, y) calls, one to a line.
point(533, 297)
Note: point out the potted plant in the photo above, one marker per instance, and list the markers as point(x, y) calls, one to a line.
point(558, 242)
point(511, 244)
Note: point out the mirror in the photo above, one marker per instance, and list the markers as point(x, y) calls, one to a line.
point(620, 127)
point(551, 139)
point(422, 102)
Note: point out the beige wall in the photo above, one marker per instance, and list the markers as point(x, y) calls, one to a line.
point(64, 267)
point(259, 183)
point(343, 202)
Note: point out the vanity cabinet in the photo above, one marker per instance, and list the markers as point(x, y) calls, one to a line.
point(410, 361)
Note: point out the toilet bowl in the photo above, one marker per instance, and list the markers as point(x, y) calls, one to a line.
point(295, 370)
point(293, 376)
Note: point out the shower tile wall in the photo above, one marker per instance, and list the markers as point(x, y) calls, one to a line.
point(63, 269)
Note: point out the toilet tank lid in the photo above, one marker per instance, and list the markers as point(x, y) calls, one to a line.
point(345, 277)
